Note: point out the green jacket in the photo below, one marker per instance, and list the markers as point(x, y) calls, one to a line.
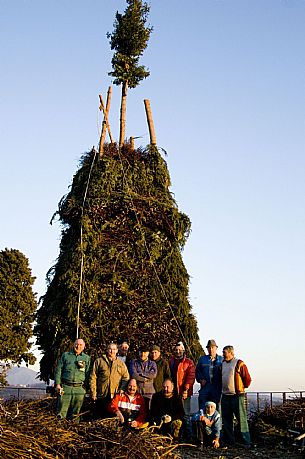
point(69, 370)
point(108, 377)
point(163, 373)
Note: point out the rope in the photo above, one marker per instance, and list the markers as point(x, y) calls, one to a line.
point(81, 246)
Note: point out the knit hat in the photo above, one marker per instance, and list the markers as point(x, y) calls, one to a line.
point(210, 404)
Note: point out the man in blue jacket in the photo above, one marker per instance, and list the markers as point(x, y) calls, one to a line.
point(208, 374)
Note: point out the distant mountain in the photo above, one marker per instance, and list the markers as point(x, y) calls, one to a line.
point(17, 376)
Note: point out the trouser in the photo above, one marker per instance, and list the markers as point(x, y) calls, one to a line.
point(187, 428)
point(101, 408)
point(70, 402)
point(209, 393)
point(200, 434)
point(234, 405)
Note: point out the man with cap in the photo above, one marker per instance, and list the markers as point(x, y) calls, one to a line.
point(183, 374)
point(162, 366)
point(71, 380)
point(144, 372)
point(207, 425)
point(235, 379)
point(208, 374)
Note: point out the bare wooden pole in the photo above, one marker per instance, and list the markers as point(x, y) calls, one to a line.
point(123, 113)
point(150, 122)
point(106, 125)
point(131, 140)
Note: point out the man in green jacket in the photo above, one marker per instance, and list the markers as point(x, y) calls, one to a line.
point(109, 376)
point(71, 380)
point(163, 368)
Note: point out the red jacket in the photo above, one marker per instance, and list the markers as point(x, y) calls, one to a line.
point(185, 377)
point(131, 410)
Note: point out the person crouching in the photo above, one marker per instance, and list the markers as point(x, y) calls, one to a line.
point(129, 407)
point(207, 425)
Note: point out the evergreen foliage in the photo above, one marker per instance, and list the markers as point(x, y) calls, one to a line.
point(135, 283)
point(17, 307)
point(129, 40)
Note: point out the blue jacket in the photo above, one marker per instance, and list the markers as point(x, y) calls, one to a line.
point(203, 372)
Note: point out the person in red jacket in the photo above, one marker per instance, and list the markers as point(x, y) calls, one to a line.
point(183, 376)
point(129, 407)
point(235, 379)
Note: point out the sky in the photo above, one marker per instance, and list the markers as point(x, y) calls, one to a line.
point(227, 92)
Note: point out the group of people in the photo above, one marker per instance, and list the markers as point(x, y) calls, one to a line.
point(150, 390)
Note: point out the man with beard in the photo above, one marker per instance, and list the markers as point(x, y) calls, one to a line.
point(129, 407)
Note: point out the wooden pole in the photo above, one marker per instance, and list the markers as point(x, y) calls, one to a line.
point(131, 140)
point(105, 125)
point(150, 122)
point(123, 114)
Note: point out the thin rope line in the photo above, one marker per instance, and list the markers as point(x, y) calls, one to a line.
point(81, 246)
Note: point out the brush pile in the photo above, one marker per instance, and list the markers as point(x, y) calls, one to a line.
point(30, 430)
point(280, 423)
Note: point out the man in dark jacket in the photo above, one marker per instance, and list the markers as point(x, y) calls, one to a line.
point(163, 368)
point(71, 380)
point(167, 410)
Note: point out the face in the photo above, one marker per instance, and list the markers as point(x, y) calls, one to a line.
point(155, 355)
point(178, 351)
point(132, 387)
point(168, 388)
point(227, 355)
point(144, 355)
point(79, 346)
point(124, 348)
point(210, 410)
point(212, 351)
point(112, 351)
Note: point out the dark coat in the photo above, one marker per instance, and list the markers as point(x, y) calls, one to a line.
point(162, 374)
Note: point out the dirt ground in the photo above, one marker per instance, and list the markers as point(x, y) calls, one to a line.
point(258, 452)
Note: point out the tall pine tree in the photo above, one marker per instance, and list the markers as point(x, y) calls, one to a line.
point(129, 40)
point(134, 281)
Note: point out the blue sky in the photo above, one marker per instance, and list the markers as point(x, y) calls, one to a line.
point(227, 91)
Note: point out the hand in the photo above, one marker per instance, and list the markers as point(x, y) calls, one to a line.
point(58, 388)
point(121, 392)
point(166, 418)
point(94, 397)
point(120, 417)
point(203, 382)
point(133, 424)
point(215, 443)
point(184, 394)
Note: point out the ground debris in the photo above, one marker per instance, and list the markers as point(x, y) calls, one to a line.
point(36, 433)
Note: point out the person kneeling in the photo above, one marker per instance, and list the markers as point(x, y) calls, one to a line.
point(207, 426)
point(167, 410)
point(129, 406)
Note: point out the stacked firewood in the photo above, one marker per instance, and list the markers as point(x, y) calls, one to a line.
point(30, 430)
